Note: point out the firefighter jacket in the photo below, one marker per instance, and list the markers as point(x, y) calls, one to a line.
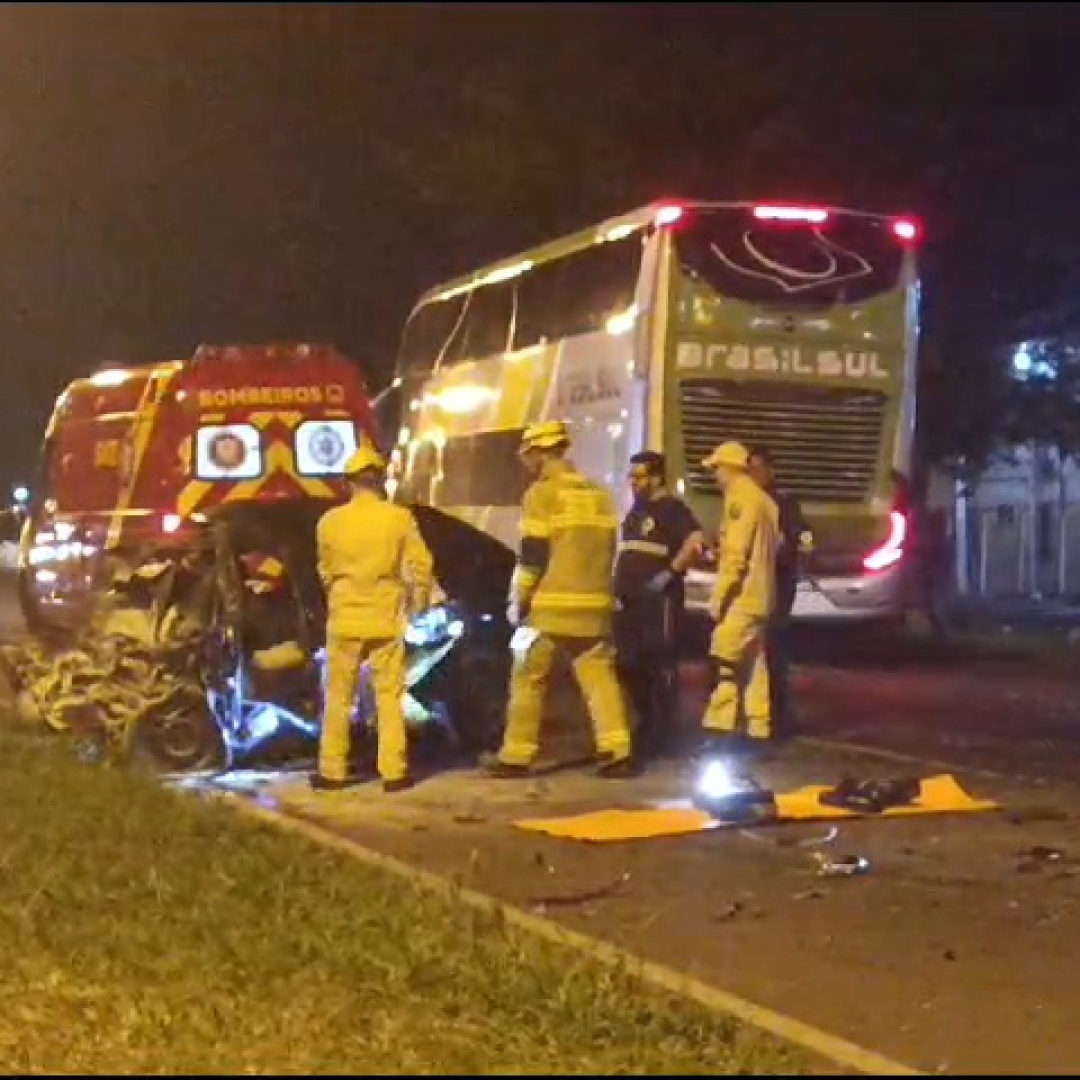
point(375, 567)
point(569, 530)
point(746, 570)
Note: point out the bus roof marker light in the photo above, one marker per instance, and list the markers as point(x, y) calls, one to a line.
point(791, 213)
point(668, 215)
point(905, 229)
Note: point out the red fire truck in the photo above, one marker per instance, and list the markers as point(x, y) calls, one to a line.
point(137, 456)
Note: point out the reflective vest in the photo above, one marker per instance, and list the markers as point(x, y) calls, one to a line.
point(375, 567)
point(746, 570)
point(569, 532)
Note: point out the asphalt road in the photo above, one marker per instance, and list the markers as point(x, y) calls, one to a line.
point(955, 953)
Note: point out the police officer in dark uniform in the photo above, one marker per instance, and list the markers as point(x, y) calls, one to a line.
point(796, 542)
point(658, 541)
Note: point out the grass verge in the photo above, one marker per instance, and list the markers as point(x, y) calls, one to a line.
point(148, 932)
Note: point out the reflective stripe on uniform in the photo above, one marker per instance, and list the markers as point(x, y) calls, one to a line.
point(537, 527)
point(645, 547)
point(569, 519)
point(566, 601)
point(524, 577)
point(269, 567)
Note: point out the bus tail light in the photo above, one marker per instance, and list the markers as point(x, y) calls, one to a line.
point(905, 229)
point(668, 215)
point(791, 213)
point(892, 551)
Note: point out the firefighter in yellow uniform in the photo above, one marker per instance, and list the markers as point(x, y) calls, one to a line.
point(377, 572)
point(743, 599)
point(562, 599)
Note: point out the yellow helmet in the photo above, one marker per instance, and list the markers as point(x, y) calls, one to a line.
point(366, 457)
point(732, 454)
point(544, 436)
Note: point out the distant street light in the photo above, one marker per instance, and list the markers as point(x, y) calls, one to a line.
point(21, 495)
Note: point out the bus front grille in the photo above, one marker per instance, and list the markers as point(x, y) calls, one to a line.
point(826, 441)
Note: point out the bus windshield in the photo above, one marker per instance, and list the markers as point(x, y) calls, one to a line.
point(843, 259)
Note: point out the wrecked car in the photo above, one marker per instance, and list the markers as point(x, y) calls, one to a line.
point(167, 566)
point(208, 653)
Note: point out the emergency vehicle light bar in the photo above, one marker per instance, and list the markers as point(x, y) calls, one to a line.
point(791, 213)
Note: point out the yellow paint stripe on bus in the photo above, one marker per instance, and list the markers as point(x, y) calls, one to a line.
point(543, 377)
point(516, 376)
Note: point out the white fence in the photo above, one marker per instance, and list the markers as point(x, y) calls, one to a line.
point(1015, 550)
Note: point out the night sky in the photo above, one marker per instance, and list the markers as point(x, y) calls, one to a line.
point(174, 174)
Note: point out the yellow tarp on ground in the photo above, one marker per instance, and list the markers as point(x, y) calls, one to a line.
point(937, 795)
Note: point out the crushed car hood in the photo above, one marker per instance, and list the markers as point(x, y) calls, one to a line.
point(473, 568)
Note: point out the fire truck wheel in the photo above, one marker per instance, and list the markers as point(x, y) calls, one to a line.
point(477, 701)
point(181, 741)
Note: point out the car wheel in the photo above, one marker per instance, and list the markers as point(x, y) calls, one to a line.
point(181, 740)
point(477, 702)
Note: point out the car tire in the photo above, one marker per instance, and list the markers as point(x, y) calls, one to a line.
point(181, 740)
point(477, 701)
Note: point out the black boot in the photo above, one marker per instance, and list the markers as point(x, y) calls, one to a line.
point(610, 767)
point(492, 765)
point(325, 783)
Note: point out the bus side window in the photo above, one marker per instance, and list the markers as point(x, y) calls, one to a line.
point(541, 295)
point(427, 332)
point(601, 282)
point(578, 293)
point(419, 480)
point(485, 329)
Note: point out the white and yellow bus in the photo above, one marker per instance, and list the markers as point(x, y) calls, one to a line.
point(673, 328)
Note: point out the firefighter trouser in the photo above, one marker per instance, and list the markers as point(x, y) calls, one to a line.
point(646, 651)
point(593, 661)
point(386, 658)
point(742, 676)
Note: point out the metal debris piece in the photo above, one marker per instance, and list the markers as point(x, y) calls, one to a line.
point(586, 896)
point(851, 866)
point(1037, 858)
point(138, 662)
point(733, 909)
point(769, 837)
point(541, 863)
